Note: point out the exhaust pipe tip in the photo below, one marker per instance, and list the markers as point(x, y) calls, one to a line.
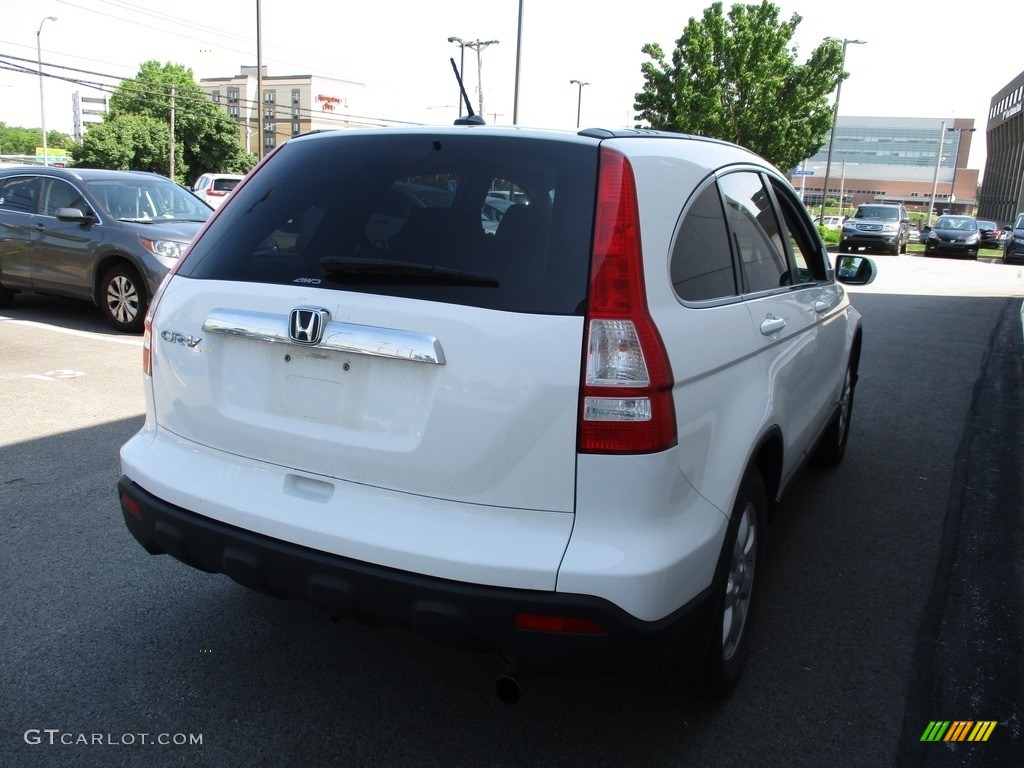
point(511, 685)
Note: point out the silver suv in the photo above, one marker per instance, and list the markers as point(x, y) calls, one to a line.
point(558, 436)
point(876, 226)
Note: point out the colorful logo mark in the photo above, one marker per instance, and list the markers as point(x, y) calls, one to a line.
point(958, 730)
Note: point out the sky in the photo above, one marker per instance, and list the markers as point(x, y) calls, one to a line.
point(917, 60)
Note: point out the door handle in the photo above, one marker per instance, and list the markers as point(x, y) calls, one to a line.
point(825, 303)
point(772, 324)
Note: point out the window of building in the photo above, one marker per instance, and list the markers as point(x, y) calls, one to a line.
point(270, 96)
point(295, 95)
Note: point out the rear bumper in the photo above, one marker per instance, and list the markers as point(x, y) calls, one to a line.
point(469, 615)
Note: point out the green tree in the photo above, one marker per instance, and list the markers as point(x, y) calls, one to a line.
point(15, 140)
point(205, 138)
point(126, 143)
point(735, 78)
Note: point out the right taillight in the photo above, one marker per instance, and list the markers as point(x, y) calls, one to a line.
point(626, 402)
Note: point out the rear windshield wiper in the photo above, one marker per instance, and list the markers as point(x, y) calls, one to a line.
point(339, 268)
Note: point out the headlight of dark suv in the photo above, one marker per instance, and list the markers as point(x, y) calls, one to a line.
point(169, 249)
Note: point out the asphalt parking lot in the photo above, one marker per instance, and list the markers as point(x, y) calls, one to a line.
point(892, 597)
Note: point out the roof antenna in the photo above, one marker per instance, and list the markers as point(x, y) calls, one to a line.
point(471, 117)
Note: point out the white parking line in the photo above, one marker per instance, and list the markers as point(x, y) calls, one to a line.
point(133, 341)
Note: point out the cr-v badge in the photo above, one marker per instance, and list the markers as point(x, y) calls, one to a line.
point(176, 338)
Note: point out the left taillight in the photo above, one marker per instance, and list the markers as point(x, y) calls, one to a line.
point(626, 395)
point(147, 324)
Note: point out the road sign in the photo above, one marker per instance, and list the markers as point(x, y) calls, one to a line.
point(801, 173)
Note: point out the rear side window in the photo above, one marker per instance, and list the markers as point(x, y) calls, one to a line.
point(19, 194)
point(225, 185)
point(702, 267)
point(480, 220)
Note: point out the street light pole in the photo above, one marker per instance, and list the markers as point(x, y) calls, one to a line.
point(579, 99)
point(835, 120)
point(519, 50)
point(938, 162)
point(462, 64)
point(956, 159)
point(42, 102)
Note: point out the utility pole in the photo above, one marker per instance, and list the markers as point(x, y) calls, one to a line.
point(478, 46)
point(171, 153)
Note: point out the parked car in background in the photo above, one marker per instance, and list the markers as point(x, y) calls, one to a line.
point(213, 188)
point(831, 222)
point(878, 227)
point(953, 236)
point(492, 212)
point(105, 236)
point(914, 234)
point(1013, 246)
point(992, 235)
point(560, 442)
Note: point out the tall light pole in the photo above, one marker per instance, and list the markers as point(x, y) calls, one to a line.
point(42, 102)
point(835, 119)
point(938, 162)
point(478, 46)
point(579, 98)
point(956, 160)
point(462, 63)
point(519, 51)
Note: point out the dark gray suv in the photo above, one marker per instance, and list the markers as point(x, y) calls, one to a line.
point(877, 226)
point(105, 236)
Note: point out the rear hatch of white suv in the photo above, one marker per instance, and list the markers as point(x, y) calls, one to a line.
point(354, 358)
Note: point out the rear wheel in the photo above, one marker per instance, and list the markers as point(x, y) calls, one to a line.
point(123, 298)
point(735, 593)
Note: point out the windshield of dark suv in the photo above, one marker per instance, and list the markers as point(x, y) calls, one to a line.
point(147, 200)
point(882, 212)
point(484, 220)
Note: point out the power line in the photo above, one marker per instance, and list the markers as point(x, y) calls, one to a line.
point(160, 98)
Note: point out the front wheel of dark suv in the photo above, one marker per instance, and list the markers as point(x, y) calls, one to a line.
point(832, 448)
point(6, 297)
point(123, 298)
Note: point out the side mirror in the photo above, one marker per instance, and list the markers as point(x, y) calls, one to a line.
point(73, 214)
point(855, 270)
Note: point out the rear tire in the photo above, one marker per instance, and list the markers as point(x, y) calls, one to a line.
point(716, 675)
point(123, 298)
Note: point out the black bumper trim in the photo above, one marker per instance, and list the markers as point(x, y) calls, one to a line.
point(469, 615)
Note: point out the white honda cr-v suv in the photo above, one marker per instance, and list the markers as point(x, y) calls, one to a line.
point(559, 438)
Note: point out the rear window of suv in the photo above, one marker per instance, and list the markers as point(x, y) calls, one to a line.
point(489, 221)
